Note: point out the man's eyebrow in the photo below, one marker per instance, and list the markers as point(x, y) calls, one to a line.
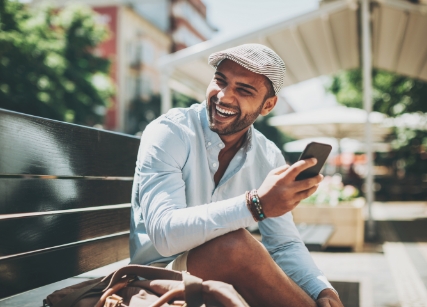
point(247, 86)
point(238, 83)
point(220, 74)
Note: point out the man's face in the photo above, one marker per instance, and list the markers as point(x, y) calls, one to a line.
point(235, 98)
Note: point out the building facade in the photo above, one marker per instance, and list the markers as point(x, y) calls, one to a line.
point(142, 32)
point(189, 25)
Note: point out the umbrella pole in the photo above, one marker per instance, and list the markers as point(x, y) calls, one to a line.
point(339, 168)
point(166, 102)
point(367, 103)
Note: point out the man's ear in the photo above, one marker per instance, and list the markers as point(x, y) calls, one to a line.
point(269, 105)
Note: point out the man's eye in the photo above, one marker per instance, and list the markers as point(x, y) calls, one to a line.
point(219, 80)
point(245, 92)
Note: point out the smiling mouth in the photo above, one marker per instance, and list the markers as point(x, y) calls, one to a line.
point(223, 112)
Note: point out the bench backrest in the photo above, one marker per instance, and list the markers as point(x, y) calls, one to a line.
point(64, 199)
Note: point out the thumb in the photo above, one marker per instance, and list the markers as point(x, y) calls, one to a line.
point(280, 169)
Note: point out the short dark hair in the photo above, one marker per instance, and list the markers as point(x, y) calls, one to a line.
point(270, 89)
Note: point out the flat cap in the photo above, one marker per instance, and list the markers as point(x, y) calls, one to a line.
point(254, 57)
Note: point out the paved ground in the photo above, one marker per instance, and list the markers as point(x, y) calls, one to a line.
point(392, 270)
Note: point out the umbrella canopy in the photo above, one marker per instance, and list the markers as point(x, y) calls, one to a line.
point(337, 122)
point(346, 145)
point(321, 42)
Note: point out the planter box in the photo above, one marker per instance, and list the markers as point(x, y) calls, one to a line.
point(347, 219)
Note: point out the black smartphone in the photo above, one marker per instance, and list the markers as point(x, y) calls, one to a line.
point(316, 150)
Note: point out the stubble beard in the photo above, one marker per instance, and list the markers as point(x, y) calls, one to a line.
point(239, 124)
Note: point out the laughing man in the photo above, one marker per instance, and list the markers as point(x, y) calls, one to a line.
point(204, 174)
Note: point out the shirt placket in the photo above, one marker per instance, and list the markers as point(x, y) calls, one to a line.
point(213, 153)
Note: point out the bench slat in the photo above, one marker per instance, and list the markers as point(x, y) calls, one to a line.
point(23, 273)
point(48, 147)
point(18, 195)
point(24, 234)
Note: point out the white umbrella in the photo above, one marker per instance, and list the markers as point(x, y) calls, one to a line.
point(346, 145)
point(337, 122)
point(415, 121)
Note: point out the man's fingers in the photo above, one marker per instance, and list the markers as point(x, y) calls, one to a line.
point(323, 303)
point(306, 193)
point(305, 184)
point(280, 169)
point(298, 167)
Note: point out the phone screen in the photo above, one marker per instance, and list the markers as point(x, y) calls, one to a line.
point(320, 151)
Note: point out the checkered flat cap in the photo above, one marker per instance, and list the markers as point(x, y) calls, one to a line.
point(254, 57)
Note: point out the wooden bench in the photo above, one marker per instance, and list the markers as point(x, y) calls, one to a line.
point(64, 204)
point(64, 200)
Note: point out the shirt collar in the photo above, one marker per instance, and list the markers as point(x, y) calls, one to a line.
point(213, 139)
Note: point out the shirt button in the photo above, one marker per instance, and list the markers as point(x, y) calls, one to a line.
point(209, 143)
point(221, 145)
point(214, 165)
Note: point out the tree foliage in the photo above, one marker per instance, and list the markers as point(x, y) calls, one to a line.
point(143, 111)
point(48, 66)
point(271, 132)
point(393, 95)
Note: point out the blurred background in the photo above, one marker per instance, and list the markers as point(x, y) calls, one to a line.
point(119, 64)
point(106, 64)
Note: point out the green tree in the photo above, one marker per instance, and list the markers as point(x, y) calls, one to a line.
point(142, 112)
point(393, 95)
point(182, 101)
point(47, 64)
point(272, 133)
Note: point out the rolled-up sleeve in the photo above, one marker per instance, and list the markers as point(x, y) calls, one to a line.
point(172, 226)
point(282, 240)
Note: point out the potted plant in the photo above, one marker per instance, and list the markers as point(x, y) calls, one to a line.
point(337, 205)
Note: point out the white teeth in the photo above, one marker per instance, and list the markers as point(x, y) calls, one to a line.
point(224, 111)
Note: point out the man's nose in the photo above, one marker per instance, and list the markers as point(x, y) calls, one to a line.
point(226, 94)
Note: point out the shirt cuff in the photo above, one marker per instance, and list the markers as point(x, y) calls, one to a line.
point(316, 285)
point(233, 212)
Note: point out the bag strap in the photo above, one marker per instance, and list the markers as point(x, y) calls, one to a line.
point(193, 290)
point(147, 272)
point(193, 285)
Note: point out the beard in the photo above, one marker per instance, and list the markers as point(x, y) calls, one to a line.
point(241, 121)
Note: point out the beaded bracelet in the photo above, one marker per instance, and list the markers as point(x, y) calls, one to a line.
point(257, 204)
point(254, 205)
point(251, 208)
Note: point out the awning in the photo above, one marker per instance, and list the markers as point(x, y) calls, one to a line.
point(318, 43)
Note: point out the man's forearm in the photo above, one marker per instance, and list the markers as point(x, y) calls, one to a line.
point(297, 263)
point(197, 225)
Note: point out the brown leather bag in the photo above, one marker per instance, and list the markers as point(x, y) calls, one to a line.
point(160, 287)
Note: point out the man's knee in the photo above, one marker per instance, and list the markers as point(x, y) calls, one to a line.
point(228, 257)
point(238, 245)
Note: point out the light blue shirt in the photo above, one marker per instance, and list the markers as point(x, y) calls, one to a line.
point(176, 206)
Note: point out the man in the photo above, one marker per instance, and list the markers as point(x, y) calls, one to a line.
point(190, 207)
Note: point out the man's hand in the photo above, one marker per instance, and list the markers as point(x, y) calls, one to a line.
point(328, 298)
point(280, 193)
